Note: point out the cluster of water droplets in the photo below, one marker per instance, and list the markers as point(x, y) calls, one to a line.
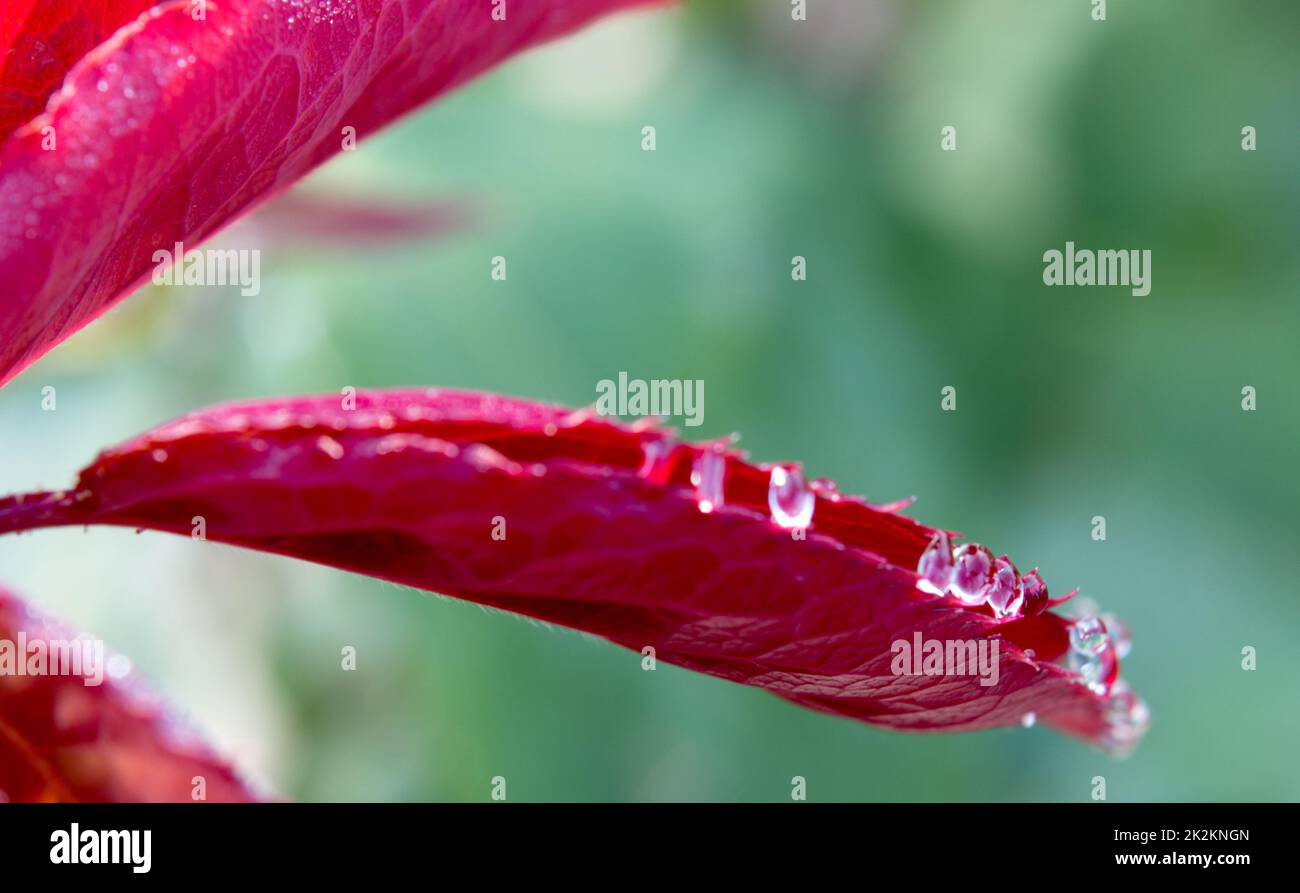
point(972, 575)
point(1098, 642)
point(1127, 718)
point(318, 11)
point(790, 498)
point(1092, 653)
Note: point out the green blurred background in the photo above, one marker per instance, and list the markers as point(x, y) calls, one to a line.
point(775, 139)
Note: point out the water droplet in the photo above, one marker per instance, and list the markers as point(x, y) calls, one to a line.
point(1128, 719)
point(1034, 593)
point(118, 666)
point(789, 498)
point(101, 85)
point(972, 575)
point(1005, 595)
point(1088, 635)
point(1029, 720)
point(1098, 669)
point(656, 465)
point(1128, 715)
point(935, 566)
point(329, 446)
point(707, 475)
point(1119, 635)
point(159, 455)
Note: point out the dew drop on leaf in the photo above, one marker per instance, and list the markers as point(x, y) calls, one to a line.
point(1088, 635)
point(1119, 634)
point(707, 476)
point(1128, 717)
point(972, 575)
point(789, 498)
point(1097, 669)
point(656, 466)
point(1005, 595)
point(935, 567)
point(1033, 593)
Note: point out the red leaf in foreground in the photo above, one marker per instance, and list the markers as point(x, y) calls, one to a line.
point(83, 736)
point(595, 525)
point(173, 127)
point(41, 39)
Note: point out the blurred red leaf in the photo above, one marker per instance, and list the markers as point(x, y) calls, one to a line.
point(409, 486)
point(64, 740)
point(172, 127)
point(308, 221)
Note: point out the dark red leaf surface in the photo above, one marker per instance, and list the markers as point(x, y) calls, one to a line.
point(172, 127)
point(408, 485)
point(40, 40)
point(62, 740)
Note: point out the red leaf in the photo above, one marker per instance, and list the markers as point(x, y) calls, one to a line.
point(173, 127)
point(409, 486)
point(40, 40)
point(85, 737)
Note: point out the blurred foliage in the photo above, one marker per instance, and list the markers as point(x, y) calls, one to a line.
point(774, 139)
